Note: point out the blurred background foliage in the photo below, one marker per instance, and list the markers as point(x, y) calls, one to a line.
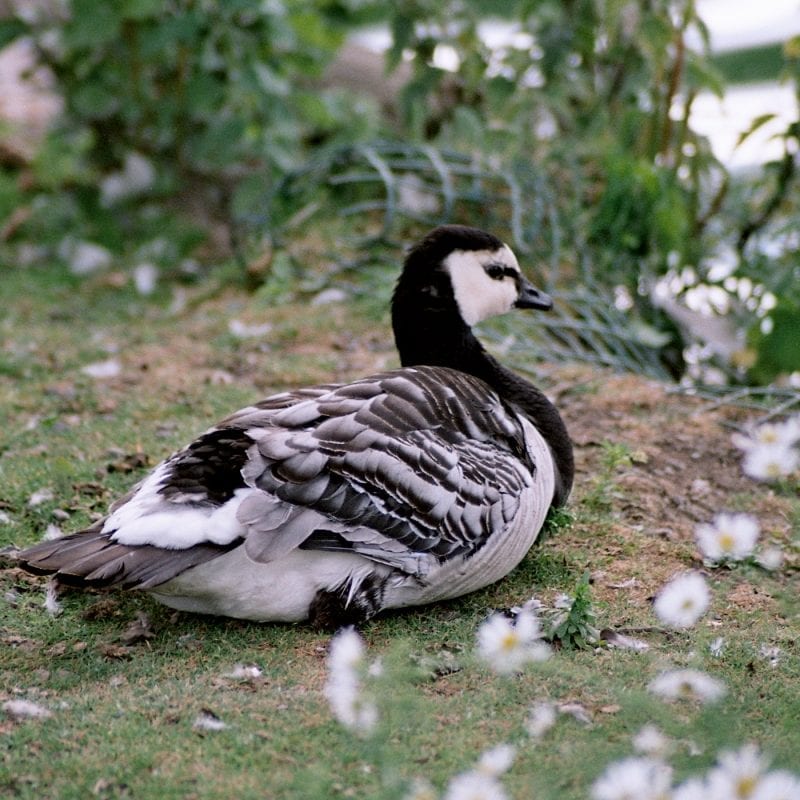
point(192, 132)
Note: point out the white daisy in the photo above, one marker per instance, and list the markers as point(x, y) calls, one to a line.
point(786, 433)
point(634, 779)
point(693, 789)
point(351, 705)
point(683, 600)
point(738, 773)
point(506, 645)
point(497, 760)
point(346, 651)
point(731, 537)
point(541, 718)
point(651, 741)
point(474, 785)
point(770, 462)
point(688, 684)
point(770, 558)
point(768, 449)
point(777, 785)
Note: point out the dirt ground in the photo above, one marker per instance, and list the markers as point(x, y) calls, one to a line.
point(683, 470)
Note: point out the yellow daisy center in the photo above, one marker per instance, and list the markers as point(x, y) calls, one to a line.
point(509, 641)
point(726, 542)
point(745, 786)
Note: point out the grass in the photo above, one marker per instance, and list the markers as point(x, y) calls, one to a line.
point(123, 714)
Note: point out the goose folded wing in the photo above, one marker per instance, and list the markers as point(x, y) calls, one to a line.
point(409, 468)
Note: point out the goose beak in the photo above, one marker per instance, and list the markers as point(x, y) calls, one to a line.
point(531, 297)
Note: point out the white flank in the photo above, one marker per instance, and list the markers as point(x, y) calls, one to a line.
point(234, 585)
point(148, 518)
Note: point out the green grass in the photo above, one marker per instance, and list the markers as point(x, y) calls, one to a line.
point(122, 716)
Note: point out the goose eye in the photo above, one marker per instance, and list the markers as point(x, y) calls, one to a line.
point(495, 271)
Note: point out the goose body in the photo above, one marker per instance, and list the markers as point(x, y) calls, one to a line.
point(335, 502)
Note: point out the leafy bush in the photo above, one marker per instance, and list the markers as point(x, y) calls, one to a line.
point(183, 115)
point(174, 107)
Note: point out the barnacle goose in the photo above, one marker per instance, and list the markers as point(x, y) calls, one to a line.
point(334, 502)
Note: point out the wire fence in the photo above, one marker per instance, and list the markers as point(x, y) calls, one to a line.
point(386, 193)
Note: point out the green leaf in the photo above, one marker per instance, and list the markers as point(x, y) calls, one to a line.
point(757, 123)
point(142, 9)
point(95, 101)
point(402, 34)
point(702, 74)
point(778, 350)
point(92, 24)
point(11, 29)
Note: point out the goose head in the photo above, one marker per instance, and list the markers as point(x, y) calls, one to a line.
point(464, 270)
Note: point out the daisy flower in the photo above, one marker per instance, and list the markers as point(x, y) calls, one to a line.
point(738, 773)
point(770, 462)
point(506, 645)
point(640, 778)
point(350, 704)
point(475, 785)
point(731, 537)
point(786, 433)
point(541, 718)
point(777, 785)
point(683, 600)
point(693, 789)
point(650, 741)
point(497, 760)
point(770, 558)
point(688, 684)
point(768, 449)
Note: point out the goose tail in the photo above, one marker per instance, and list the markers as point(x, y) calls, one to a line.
point(91, 558)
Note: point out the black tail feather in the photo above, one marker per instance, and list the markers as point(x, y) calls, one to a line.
point(92, 558)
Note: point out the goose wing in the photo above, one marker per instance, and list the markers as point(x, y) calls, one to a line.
point(409, 468)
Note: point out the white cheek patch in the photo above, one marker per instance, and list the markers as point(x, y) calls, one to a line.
point(478, 296)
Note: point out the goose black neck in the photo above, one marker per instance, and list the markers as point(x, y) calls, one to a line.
point(436, 335)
